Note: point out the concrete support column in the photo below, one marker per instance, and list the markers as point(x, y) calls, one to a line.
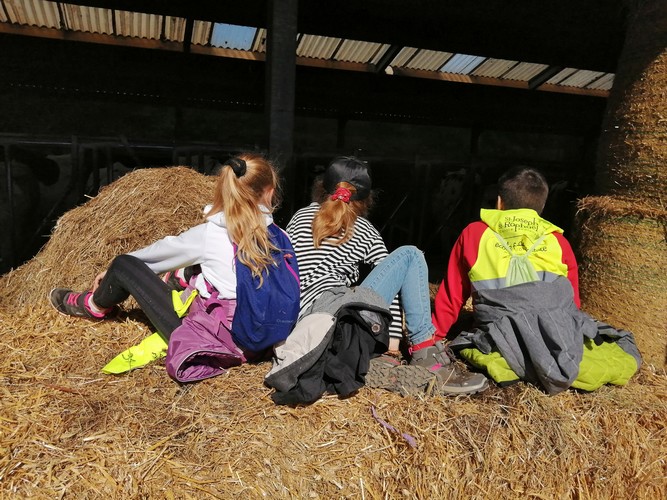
point(280, 90)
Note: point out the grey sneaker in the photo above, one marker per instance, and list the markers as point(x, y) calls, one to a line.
point(180, 278)
point(70, 303)
point(439, 360)
point(389, 373)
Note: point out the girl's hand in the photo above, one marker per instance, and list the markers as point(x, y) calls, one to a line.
point(98, 279)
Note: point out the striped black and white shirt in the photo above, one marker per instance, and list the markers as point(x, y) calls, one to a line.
point(336, 265)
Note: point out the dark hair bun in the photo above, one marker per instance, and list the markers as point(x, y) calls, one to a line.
point(351, 170)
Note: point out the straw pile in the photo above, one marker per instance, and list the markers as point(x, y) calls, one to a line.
point(623, 258)
point(624, 237)
point(67, 430)
point(131, 213)
point(632, 149)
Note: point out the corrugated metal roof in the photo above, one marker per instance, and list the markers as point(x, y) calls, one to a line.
point(137, 24)
point(494, 68)
point(88, 19)
point(259, 45)
point(524, 71)
point(174, 28)
point(201, 32)
point(317, 47)
point(461, 64)
point(360, 52)
point(33, 13)
point(561, 75)
point(403, 56)
point(603, 83)
point(64, 16)
point(428, 60)
point(581, 78)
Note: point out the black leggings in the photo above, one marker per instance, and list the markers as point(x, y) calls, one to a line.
point(127, 276)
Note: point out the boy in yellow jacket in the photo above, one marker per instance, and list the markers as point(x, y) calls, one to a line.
point(522, 275)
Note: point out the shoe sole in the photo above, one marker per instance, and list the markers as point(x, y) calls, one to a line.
point(461, 391)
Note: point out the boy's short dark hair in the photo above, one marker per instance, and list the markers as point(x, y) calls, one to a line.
point(523, 187)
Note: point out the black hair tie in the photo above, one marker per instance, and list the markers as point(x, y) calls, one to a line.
point(238, 166)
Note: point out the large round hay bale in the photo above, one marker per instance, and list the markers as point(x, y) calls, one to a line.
point(632, 151)
point(136, 210)
point(623, 258)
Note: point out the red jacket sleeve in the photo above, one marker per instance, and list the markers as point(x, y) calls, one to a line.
point(455, 287)
point(572, 268)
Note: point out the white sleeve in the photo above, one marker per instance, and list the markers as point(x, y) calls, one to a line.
point(376, 251)
point(174, 252)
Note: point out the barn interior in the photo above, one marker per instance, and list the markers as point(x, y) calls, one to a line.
point(438, 96)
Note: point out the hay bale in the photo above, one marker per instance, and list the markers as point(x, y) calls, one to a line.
point(623, 257)
point(136, 210)
point(632, 150)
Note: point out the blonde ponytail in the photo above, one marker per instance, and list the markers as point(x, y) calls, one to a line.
point(238, 194)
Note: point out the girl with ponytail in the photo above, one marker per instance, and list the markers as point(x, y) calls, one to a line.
point(332, 238)
point(238, 230)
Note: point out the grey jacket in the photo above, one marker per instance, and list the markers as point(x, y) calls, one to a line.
point(539, 331)
point(329, 349)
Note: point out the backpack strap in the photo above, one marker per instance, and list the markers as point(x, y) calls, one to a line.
point(534, 245)
point(503, 243)
point(507, 247)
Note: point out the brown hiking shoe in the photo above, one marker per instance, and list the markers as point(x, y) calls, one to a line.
point(451, 379)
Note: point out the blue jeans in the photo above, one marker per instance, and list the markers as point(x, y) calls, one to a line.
point(404, 270)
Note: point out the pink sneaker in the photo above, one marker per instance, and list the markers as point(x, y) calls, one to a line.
point(70, 303)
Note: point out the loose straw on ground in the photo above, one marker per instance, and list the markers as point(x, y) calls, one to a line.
point(66, 430)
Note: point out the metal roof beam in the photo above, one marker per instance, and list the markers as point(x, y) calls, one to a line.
point(387, 58)
point(187, 35)
point(544, 76)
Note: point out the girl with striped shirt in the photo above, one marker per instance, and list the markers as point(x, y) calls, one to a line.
point(332, 238)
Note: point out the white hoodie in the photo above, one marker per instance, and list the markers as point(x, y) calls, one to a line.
point(208, 245)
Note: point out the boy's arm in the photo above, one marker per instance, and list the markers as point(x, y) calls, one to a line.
point(453, 291)
point(572, 268)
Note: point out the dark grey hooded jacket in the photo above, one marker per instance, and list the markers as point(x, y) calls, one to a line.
point(539, 331)
point(330, 348)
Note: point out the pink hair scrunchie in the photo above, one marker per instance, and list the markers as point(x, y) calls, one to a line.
point(342, 194)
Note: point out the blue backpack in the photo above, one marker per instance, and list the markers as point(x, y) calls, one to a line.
point(265, 315)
